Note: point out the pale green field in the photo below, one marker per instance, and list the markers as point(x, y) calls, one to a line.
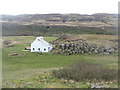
point(26, 65)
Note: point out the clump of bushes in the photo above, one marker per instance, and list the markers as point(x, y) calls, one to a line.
point(86, 71)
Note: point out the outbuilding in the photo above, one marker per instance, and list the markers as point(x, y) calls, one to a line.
point(40, 45)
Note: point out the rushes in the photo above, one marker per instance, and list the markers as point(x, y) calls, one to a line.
point(85, 71)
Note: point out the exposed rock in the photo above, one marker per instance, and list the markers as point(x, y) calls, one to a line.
point(13, 54)
point(83, 48)
point(68, 45)
point(98, 86)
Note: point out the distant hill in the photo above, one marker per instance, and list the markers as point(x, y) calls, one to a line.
point(56, 24)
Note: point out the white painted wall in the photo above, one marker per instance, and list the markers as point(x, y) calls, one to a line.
point(41, 44)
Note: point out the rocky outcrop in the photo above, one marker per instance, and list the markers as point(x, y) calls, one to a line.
point(82, 47)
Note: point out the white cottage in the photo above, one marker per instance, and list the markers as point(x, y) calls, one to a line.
point(40, 45)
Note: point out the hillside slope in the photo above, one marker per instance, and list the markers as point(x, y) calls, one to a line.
point(49, 24)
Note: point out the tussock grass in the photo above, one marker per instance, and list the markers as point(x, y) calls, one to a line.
point(86, 71)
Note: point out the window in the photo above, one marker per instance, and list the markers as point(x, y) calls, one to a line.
point(33, 48)
point(44, 49)
point(38, 48)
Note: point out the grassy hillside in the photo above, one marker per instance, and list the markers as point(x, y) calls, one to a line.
point(27, 69)
point(36, 30)
point(57, 24)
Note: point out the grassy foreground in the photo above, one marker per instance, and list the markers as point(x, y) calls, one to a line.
point(27, 66)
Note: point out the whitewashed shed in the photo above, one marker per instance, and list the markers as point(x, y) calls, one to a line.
point(40, 45)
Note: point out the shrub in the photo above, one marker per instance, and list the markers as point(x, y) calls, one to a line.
point(83, 71)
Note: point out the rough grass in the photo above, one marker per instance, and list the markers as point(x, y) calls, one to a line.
point(104, 40)
point(26, 60)
point(25, 65)
point(46, 80)
point(25, 39)
point(86, 71)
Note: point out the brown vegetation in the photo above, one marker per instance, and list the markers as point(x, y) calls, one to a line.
point(85, 71)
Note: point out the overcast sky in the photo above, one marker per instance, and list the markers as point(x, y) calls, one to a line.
point(15, 7)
